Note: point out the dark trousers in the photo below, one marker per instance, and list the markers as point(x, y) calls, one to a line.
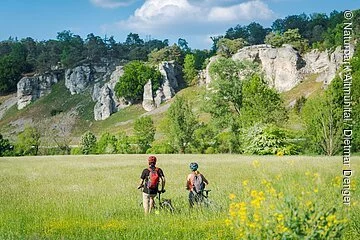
point(194, 198)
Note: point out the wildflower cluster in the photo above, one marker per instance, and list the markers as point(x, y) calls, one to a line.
point(265, 212)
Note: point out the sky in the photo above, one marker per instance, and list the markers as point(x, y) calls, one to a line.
point(194, 20)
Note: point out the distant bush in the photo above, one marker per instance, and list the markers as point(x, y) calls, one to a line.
point(6, 149)
point(76, 151)
point(28, 142)
point(267, 140)
point(88, 143)
point(161, 148)
point(54, 112)
point(136, 75)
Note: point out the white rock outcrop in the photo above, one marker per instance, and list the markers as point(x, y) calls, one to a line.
point(324, 63)
point(171, 73)
point(106, 101)
point(282, 66)
point(31, 88)
point(77, 79)
point(148, 100)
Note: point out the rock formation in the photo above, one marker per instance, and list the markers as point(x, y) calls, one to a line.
point(31, 88)
point(148, 99)
point(106, 101)
point(77, 79)
point(323, 63)
point(284, 67)
point(171, 73)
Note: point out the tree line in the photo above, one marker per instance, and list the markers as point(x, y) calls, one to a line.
point(19, 57)
point(246, 116)
point(317, 30)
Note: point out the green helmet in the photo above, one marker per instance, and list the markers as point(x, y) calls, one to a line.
point(194, 166)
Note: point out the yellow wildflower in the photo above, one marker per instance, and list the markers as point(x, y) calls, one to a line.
point(228, 222)
point(232, 196)
point(245, 183)
point(256, 164)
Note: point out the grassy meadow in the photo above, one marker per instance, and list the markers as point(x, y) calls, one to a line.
point(95, 197)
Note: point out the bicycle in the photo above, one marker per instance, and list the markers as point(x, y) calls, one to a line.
point(202, 199)
point(164, 204)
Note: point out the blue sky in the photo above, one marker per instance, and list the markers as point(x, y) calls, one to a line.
point(194, 20)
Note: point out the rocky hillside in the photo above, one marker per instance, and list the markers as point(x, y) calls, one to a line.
point(84, 96)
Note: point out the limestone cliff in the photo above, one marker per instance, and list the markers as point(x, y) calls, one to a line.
point(285, 67)
point(31, 88)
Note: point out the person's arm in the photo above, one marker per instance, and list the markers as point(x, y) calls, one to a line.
point(188, 182)
point(205, 180)
point(141, 183)
point(162, 179)
point(142, 179)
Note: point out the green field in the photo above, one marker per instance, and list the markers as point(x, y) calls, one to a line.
point(95, 197)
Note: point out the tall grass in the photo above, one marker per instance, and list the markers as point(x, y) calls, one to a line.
point(95, 197)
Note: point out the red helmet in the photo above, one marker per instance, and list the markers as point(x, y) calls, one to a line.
point(152, 159)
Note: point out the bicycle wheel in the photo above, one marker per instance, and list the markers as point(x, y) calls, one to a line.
point(167, 206)
point(211, 205)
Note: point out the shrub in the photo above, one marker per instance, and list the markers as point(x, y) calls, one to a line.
point(267, 139)
point(88, 143)
point(76, 151)
point(265, 212)
point(28, 142)
point(136, 75)
point(161, 148)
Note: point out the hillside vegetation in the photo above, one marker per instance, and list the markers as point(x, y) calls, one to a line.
point(233, 117)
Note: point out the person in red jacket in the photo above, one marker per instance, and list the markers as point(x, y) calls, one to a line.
point(149, 181)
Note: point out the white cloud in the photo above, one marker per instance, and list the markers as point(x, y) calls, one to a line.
point(162, 15)
point(191, 18)
point(111, 3)
point(244, 11)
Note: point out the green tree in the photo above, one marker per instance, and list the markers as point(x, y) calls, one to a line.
point(267, 139)
point(290, 36)
point(260, 103)
point(190, 73)
point(123, 144)
point(136, 75)
point(5, 146)
point(256, 33)
point(237, 32)
point(72, 48)
point(144, 132)
point(203, 138)
point(88, 143)
point(28, 141)
point(10, 74)
point(183, 44)
point(182, 123)
point(227, 47)
point(169, 53)
point(322, 117)
point(95, 48)
point(226, 100)
point(106, 144)
point(274, 39)
point(133, 40)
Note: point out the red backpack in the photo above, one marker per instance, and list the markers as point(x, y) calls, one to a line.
point(153, 180)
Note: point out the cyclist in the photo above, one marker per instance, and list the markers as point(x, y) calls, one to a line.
point(149, 181)
point(195, 183)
